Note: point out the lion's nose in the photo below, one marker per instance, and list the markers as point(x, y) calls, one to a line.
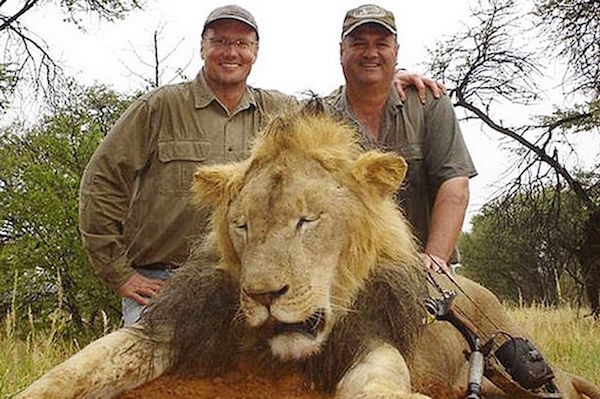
point(267, 298)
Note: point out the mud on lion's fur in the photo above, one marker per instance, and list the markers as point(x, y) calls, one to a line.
point(309, 269)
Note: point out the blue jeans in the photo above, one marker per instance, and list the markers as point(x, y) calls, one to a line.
point(131, 309)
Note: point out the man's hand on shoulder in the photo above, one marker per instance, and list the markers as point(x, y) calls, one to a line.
point(140, 288)
point(404, 79)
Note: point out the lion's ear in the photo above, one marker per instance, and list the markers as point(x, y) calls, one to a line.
point(381, 172)
point(212, 184)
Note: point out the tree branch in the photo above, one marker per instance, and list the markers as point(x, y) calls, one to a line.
point(26, 7)
point(574, 184)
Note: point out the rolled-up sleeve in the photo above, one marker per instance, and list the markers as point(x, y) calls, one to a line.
point(447, 155)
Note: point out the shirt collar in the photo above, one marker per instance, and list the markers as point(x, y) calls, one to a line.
point(394, 101)
point(342, 106)
point(204, 96)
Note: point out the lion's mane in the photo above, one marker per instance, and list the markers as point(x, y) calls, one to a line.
point(379, 272)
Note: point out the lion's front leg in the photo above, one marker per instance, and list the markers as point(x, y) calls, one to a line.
point(108, 366)
point(381, 374)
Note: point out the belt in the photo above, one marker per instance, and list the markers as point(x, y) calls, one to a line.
point(167, 266)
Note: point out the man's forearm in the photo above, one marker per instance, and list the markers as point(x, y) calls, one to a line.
point(448, 214)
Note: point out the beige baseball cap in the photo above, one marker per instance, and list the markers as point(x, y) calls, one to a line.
point(231, 12)
point(368, 13)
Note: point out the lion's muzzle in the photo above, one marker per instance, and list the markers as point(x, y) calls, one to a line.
point(309, 327)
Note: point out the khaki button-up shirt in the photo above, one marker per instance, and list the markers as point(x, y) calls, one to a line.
point(427, 136)
point(135, 193)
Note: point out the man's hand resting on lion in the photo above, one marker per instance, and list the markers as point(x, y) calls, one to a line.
point(435, 263)
point(140, 289)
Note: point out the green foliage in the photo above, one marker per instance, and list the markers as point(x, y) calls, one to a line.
point(7, 84)
point(581, 118)
point(524, 247)
point(27, 353)
point(40, 170)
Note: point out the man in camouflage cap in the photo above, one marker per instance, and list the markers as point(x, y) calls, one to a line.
point(365, 14)
point(436, 192)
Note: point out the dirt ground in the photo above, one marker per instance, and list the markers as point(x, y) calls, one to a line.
point(237, 384)
point(240, 385)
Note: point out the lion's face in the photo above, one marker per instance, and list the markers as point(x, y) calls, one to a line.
point(301, 226)
point(289, 238)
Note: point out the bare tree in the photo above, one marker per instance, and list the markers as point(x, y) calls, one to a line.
point(27, 58)
point(495, 61)
point(573, 30)
point(155, 70)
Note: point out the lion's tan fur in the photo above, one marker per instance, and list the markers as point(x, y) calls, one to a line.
point(198, 316)
point(379, 233)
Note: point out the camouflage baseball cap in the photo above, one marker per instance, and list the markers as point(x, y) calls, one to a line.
point(231, 12)
point(368, 13)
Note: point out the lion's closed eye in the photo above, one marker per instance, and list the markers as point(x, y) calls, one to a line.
point(307, 222)
point(240, 226)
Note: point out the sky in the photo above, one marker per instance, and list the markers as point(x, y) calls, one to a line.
point(299, 50)
point(299, 40)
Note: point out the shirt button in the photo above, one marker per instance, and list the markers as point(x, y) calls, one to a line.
point(230, 149)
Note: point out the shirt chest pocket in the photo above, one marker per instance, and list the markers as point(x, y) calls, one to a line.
point(416, 177)
point(178, 162)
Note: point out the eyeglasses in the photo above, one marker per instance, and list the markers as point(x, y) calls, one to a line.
point(223, 44)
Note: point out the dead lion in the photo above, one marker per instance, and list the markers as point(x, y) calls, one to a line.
point(310, 270)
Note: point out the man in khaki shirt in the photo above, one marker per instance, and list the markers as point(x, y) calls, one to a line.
point(427, 135)
point(136, 220)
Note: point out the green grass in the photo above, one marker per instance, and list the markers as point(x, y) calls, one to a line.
point(26, 352)
point(567, 340)
point(22, 360)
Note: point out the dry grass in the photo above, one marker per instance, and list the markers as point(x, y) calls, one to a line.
point(566, 338)
point(26, 355)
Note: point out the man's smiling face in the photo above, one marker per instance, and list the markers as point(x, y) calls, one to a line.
point(228, 64)
point(368, 55)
